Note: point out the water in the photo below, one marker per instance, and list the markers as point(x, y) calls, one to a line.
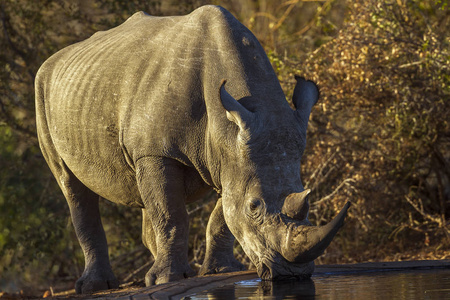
point(424, 284)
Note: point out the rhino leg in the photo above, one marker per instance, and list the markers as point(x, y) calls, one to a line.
point(148, 234)
point(219, 256)
point(161, 185)
point(84, 210)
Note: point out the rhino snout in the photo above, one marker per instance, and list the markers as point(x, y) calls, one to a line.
point(277, 268)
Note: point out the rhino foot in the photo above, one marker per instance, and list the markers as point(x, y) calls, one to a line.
point(215, 266)
point(96, 280)
point(163, 273)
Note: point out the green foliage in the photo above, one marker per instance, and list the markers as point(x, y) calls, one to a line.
point(33, 217)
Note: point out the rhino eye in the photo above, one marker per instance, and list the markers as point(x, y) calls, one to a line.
point(255, 204)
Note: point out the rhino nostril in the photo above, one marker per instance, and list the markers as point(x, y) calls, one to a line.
point(266, 273)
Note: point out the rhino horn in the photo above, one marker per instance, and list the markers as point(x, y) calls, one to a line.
point(296, 206)
point(236, 112)
point(305, 97)
point(304, 244)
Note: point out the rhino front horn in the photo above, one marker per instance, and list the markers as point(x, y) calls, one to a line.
point(296, 206)
point(304, 243)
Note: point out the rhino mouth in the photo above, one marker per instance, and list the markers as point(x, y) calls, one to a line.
point(277, 268)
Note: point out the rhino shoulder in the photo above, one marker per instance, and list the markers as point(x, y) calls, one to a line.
point(214, 15)
point(137, 17)
point(209, 10)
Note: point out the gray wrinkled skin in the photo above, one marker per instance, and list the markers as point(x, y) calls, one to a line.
point(139, 115)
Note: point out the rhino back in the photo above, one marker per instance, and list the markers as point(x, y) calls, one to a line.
point(148, 88)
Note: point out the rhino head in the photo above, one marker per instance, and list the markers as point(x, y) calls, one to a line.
point(264, 203)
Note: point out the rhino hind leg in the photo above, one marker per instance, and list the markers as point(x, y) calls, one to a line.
point(161, 185)
point(219, 256)
point(85, 214)
point(84, 211)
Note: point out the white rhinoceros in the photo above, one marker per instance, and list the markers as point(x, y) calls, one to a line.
point(141, 115)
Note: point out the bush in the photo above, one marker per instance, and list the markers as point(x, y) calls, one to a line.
point(380, 135)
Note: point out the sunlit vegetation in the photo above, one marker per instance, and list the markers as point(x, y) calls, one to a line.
point(379, 136)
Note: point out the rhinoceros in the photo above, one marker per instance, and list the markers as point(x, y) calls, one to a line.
point(157, 112)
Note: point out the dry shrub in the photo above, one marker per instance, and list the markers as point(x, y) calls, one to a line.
point(380, 135)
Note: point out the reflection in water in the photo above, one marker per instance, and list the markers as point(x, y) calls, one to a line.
point(257, 289)
point(432, 284)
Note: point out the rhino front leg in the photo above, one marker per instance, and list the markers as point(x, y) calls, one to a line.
point(148, 234)
point(219, 256)
point(161, 185)
point(84, 210)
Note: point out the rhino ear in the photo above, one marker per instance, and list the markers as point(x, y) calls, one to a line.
point(236, 112)
point(305, 96)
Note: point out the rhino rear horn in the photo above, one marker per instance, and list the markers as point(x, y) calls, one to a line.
point(296, 206)
point(236, 112)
